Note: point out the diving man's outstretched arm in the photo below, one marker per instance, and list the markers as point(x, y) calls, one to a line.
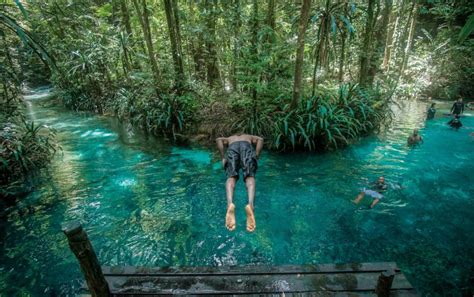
point(221, 142)
point(258, 141)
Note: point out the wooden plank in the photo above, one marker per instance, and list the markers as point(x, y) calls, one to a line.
point(400, 293)
point(306, 294)
point(403, 293)
point(249, 269)
point(248, 284)
point(309, 294)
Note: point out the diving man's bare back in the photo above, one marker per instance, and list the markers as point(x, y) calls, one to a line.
point(240, 156)
point(258, 141)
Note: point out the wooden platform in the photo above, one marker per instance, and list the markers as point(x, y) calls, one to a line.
point(308, 280)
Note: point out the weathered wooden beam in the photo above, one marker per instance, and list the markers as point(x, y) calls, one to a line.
point(250, 269)
point(82, 249)
point(384, 283)
point(249, 284)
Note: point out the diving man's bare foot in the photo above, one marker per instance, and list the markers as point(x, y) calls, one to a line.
point(230, 217)
point(251, 225)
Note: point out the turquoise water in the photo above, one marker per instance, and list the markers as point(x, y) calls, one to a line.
point(145, 202)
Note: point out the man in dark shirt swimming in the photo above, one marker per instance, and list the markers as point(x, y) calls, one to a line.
point(378, 187)
point(458, 107)
point(240, 155)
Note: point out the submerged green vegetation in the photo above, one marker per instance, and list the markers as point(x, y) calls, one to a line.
point(305, 75)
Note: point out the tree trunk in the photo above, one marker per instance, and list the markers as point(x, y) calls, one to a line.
point(403, 36)
point(393, 25)
point(254, 72)
point(178, 34)
point(126, 18)
point(380, 36)
point(303, 22)
point(126, 58)
point(128, 28)
point(213, 74)
point(406, 52)
point(171, 19)
point(236, 45)
point(320, 56)
point(199, 58)
point(271, 14)
point(145, 24)
point(324, 52)
point(366, 55)
point(196, 45)
point(342, 57)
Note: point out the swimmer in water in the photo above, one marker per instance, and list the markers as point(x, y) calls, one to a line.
point(415, 138)
point(378, 187)
point(458, 107)
point(455, 122)
point(431, 112)
point(240, 155)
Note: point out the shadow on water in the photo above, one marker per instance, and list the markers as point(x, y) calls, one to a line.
point(145, 202)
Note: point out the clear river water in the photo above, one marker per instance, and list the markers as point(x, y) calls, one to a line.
point(145, 202)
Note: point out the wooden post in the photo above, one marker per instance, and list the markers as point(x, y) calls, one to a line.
point(82, 248)
point(384, 283)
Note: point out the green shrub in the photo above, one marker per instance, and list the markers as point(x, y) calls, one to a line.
point(24, 149)
point(320, 122)
point(169, 115)
point(330, 121)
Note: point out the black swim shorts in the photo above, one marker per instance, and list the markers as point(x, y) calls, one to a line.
point(241, 155)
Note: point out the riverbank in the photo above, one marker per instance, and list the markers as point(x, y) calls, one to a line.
point(25, 149)
point(326, 121)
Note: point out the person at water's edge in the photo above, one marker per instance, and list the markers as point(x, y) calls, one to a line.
point(458, 107)
point(378, 187)
point(240, 155)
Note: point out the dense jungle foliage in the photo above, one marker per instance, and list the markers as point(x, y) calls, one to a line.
point(25, 146)
point(310, 75)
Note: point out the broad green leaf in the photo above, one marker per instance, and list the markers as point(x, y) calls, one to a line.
point(467, 29)
point(22, 9)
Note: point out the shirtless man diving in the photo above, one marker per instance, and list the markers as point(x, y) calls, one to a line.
point(240, 155)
